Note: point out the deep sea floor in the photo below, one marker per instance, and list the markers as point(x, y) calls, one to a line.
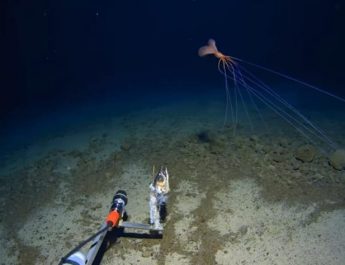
point(252, 193)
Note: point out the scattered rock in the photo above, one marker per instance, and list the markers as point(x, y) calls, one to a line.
point(279, 158)
point(337, 159)
point(259, 148)
point(283, 142)
point(305, 153)
point(217, 146)
point(279, 154)
point(254, 138)
point(295, 165)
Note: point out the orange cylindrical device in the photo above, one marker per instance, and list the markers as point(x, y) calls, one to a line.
point(113, 218)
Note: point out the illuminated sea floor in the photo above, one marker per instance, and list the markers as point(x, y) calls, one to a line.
point(237, 194)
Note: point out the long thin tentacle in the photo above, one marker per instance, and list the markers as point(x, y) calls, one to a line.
point(280, 113)
point(291, 78)
point(235, 71)
point(251, 100)
point(292, 120)
point(235, 95)
point(246, 110)
point(227, 92)
point(267, 89)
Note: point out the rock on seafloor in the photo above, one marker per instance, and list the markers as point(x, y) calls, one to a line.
point(337, 159)
point(305, 153)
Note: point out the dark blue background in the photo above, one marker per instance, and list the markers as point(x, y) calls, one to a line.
point(63, 53)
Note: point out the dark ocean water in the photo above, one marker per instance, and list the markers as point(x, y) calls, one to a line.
point(67, 62)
